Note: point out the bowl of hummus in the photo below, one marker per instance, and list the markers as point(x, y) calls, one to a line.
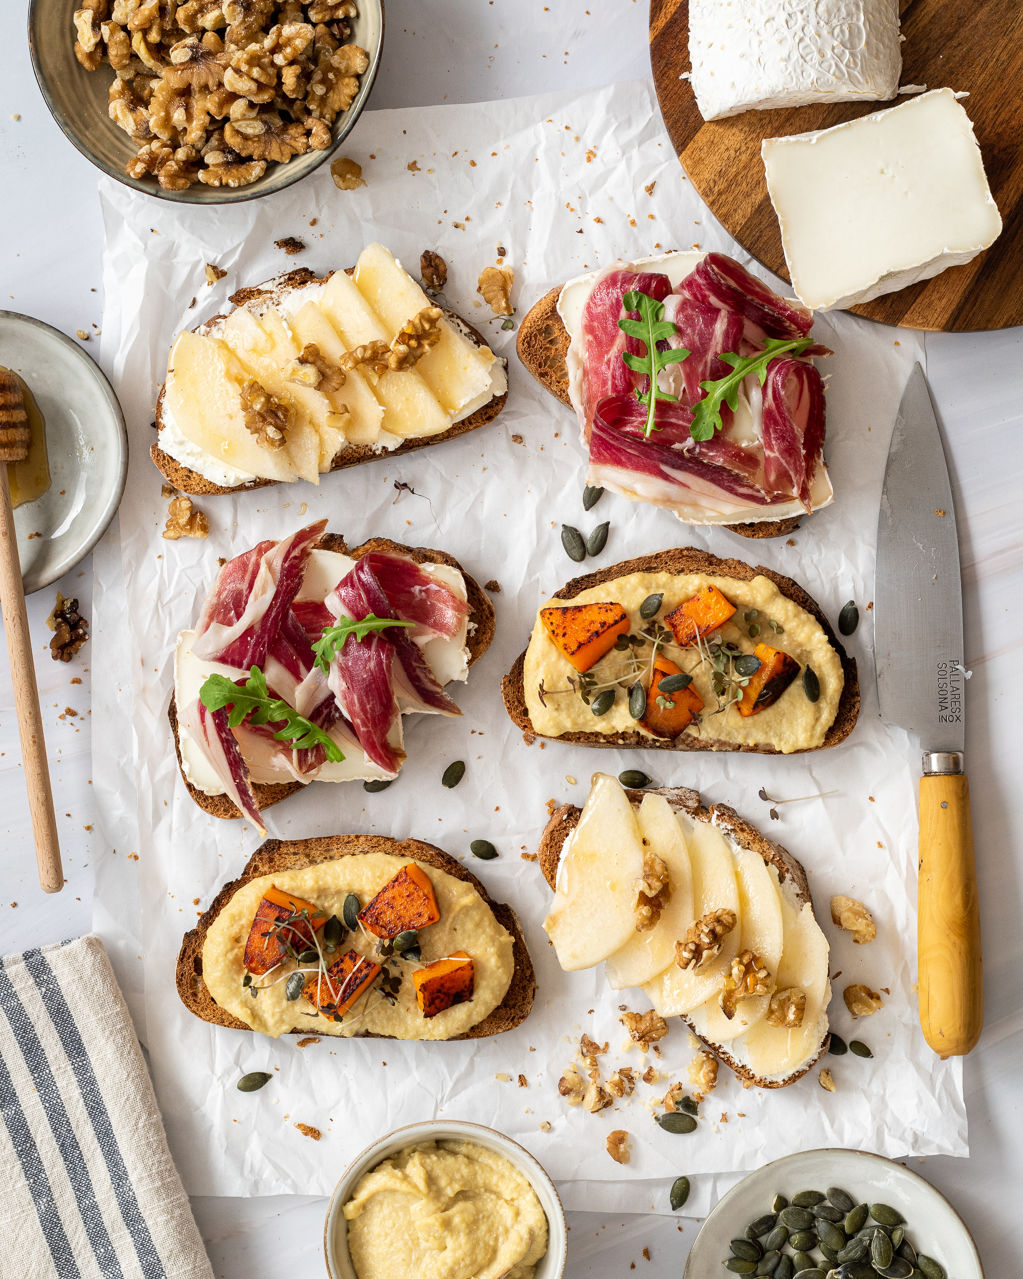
point(444, 1200)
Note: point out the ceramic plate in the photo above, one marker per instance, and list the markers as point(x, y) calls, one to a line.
point(932, 1224)
point(86, 443)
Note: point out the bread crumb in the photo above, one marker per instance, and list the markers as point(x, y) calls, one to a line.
point(307, 1130)
point(291, 245)
point(502, 1077)
point(493, 586)
point(314, 1039)
point(523, 1081)
point(82, 334)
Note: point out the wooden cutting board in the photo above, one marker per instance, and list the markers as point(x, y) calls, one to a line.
point(976, 47)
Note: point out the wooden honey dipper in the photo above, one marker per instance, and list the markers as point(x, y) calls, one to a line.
point(15, 438)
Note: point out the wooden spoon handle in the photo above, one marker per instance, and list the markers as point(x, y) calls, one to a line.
point(26, 698)
point(950, 978)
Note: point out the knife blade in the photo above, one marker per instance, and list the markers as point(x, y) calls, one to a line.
point(921, 680)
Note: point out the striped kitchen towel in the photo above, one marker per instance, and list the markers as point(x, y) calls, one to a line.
point(87, 1186)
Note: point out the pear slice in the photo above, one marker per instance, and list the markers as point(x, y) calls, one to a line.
point(326, 412)
point(762, 933)
point(648, 953)
point(679, 990)
point(594, 902)
point(365, 412)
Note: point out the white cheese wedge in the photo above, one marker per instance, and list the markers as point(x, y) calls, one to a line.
point(882, 202)
point(788, 53)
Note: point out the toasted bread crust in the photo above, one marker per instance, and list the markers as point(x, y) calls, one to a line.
point(542, 346)
point(481, 614)
point(565, 819)
point(192, 482)
point(277, 856)
point(681, 560)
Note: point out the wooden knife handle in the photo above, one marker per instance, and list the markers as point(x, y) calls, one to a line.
point(950, 977)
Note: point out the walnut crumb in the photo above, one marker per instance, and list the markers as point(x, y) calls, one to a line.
point(70, 629)
point(618, 1146)
point(184, 520)
point(523, 1081)
point(703, 1073)
point(291, 245)
point(545, 1125)
point(347, 174)
point(168, 490)
point(214, 273)
point(644, 1028)
point(307, 1130)
point(853, 917)
point(861, 1000)
point(82, 334)
point(649, 188)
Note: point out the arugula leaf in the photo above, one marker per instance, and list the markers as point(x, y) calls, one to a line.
point(725, 390)
point(252, 701)
point(333, 637)
point(650, 329)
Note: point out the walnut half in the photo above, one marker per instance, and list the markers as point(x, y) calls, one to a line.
point(494, 287)
point(265, 417)
point(787, 1008)
point(415, 338)
point(703, 938)
point(184, 520)
point(645, 1028)
point(653, 892)
point(434, 271)
point(746, 978)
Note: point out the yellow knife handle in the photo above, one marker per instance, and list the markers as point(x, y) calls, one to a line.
point(950, 976)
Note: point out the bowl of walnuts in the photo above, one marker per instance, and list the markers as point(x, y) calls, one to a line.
point(206, 101)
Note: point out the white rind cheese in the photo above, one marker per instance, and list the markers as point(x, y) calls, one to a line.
point(882, 202)
point(788, 53)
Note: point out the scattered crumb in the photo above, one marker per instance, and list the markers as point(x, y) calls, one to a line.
point(291, 245)
point(307, 1130)
point(545, 1125)
point(938, 511)
point(82, 334)
point(826, 1081)
point(503, 1077)
point(516, 439)
point(493, 586)
point(213, 274)
point(312, 1039)
point(523, 1081)
point(412, 166)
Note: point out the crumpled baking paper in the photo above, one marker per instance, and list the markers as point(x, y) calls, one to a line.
point(558, 184)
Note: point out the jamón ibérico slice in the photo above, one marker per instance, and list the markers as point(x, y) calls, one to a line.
point(314, 616)
point(793, 427)
point(222, 751)
point(360, 678)
point(705, 331)
point(416, 596)
point(720, 281)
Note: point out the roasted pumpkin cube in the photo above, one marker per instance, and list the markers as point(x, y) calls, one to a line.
point(776, 672)
point(674, 712)
point(444, 983)
point(699, 615)
point(282, 923)
point(584, 633)
point(405, 903)
point(345, 981)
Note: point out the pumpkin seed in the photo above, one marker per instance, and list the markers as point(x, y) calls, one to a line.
point(309, 956)
point(603, 702)
point(803, 1240)
point(255, 1079)
point(803, 1261)
point(811, 684)
point(350, 912)
point(885, 1215)
point(597, 540)
point(592, 494)
point(856, 1218)
point(633, 779)
point(899, 1269)
point(854, 1250)
point(677, 1121)
point(332, 933)
point(453, 774)
point(637, 701)
point(814, 1272)
point(572, 541)
point(744, 667)
point(830, 1254)
point(294, 986)
point(679, 1192)
point(405, 941)
point(881, 1250)
point(740, 1266)
point(621, 643)
point(483, 849)
point(807, 1198)
point(828, 1212)
point(796, 1218)
point(674, 683)
point(688, 1105)
point(849, 618)
point(761, 1226)
point(930, 1268)
point(373, 785)
point(780, 1202)
point(898, 1236)
point(651, 606)
point(784, 1269)
point(749, 1249)
point(854, 1270)
point(838, 1047)
point(829, 1233)
point(860, 1049)
point(769, 1262)
point(907, 1251)
point(776, 1239)
point(837, 1196)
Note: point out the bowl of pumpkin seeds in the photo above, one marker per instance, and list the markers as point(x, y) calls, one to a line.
point(834, 1214)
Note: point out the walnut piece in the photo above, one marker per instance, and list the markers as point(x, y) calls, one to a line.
point(313, 370)
point(214, 273)
point(596, 1097)
point(494, 286)
point(347, 174)
point(861, 1000)
point(826, 1081)
point(434, 271)
point(854, 918)
point(674, 1095)
point(231, 172)
point(622, 1083)
point(653, 892)
point(334, 83)
point(371, 356)
point(703, 938)
point(266, 137)
point(415, 338)
point(330, 10)
point(746, 978)
point(184, 520)
point(787, 1008)
point(70, 629)
point(618, 1146)
point(703, 1073)
point(645, 1028)
point(265, 416)
point(572, 1086)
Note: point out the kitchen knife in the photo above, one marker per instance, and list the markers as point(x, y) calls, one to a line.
point(918, 634)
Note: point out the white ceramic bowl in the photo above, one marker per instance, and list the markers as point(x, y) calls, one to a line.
point(932, 1223)
point(335, 1231)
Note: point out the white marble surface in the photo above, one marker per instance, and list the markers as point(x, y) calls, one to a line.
point(466, 50)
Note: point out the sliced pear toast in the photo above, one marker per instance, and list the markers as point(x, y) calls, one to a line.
point(710, 881)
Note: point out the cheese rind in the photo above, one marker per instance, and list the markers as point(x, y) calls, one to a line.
point(882, 202)
point(788, 53)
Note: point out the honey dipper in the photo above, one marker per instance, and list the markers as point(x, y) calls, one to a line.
point(15, 438)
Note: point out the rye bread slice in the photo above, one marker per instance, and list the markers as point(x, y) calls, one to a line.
point(565, 819)
point(192, 482)
point(276, 856)
point(542, 345)
point(481, 632)
point(681, 560)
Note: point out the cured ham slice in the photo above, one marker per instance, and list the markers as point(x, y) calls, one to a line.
point(360, 677)
point(222, 748)
point(721, 282)
point(793, 426)
point(415, 596)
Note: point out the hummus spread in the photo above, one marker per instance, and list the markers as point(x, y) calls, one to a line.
point(466, 923)
point(447, 1209)
point(793, 723)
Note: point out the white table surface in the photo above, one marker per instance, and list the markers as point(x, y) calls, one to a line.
point(464, 51)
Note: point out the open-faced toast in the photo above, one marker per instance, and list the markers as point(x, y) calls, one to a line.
point(276, 857)
point(681, 562)
point(799, 969)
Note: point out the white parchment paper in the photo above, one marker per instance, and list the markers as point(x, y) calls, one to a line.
point(562, 184)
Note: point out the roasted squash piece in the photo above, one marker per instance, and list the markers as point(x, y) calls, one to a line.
point(405, 902)
point(676, 714)
point(777, 671)
point(345, 981)
point(699, 615)
point(585, 632)
point(282, 923)
point(444, 983)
